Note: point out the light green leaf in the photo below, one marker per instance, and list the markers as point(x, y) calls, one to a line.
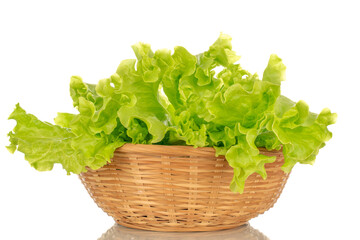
point(45, 144)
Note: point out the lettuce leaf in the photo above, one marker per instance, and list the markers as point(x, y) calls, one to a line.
point(177, 98)
point(45, 144)
point(140, 96)
point(301, 132)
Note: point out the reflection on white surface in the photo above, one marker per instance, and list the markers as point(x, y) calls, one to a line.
point(245, 232)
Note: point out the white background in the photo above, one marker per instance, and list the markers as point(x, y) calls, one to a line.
point(44, 43)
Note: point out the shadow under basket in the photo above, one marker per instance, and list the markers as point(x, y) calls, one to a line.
point(180, 188)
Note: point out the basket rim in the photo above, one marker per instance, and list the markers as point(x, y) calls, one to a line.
point(135, 145)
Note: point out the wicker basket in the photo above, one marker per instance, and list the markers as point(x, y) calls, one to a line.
point(180, 188)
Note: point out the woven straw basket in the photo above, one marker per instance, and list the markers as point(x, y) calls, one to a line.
point(180, 188)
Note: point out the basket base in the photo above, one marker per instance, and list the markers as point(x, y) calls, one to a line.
point(180, 229)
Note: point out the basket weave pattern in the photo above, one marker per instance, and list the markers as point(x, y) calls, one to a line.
point(180, 188)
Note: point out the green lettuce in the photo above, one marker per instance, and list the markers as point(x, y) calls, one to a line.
point(45, 144)
point(177, 98)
